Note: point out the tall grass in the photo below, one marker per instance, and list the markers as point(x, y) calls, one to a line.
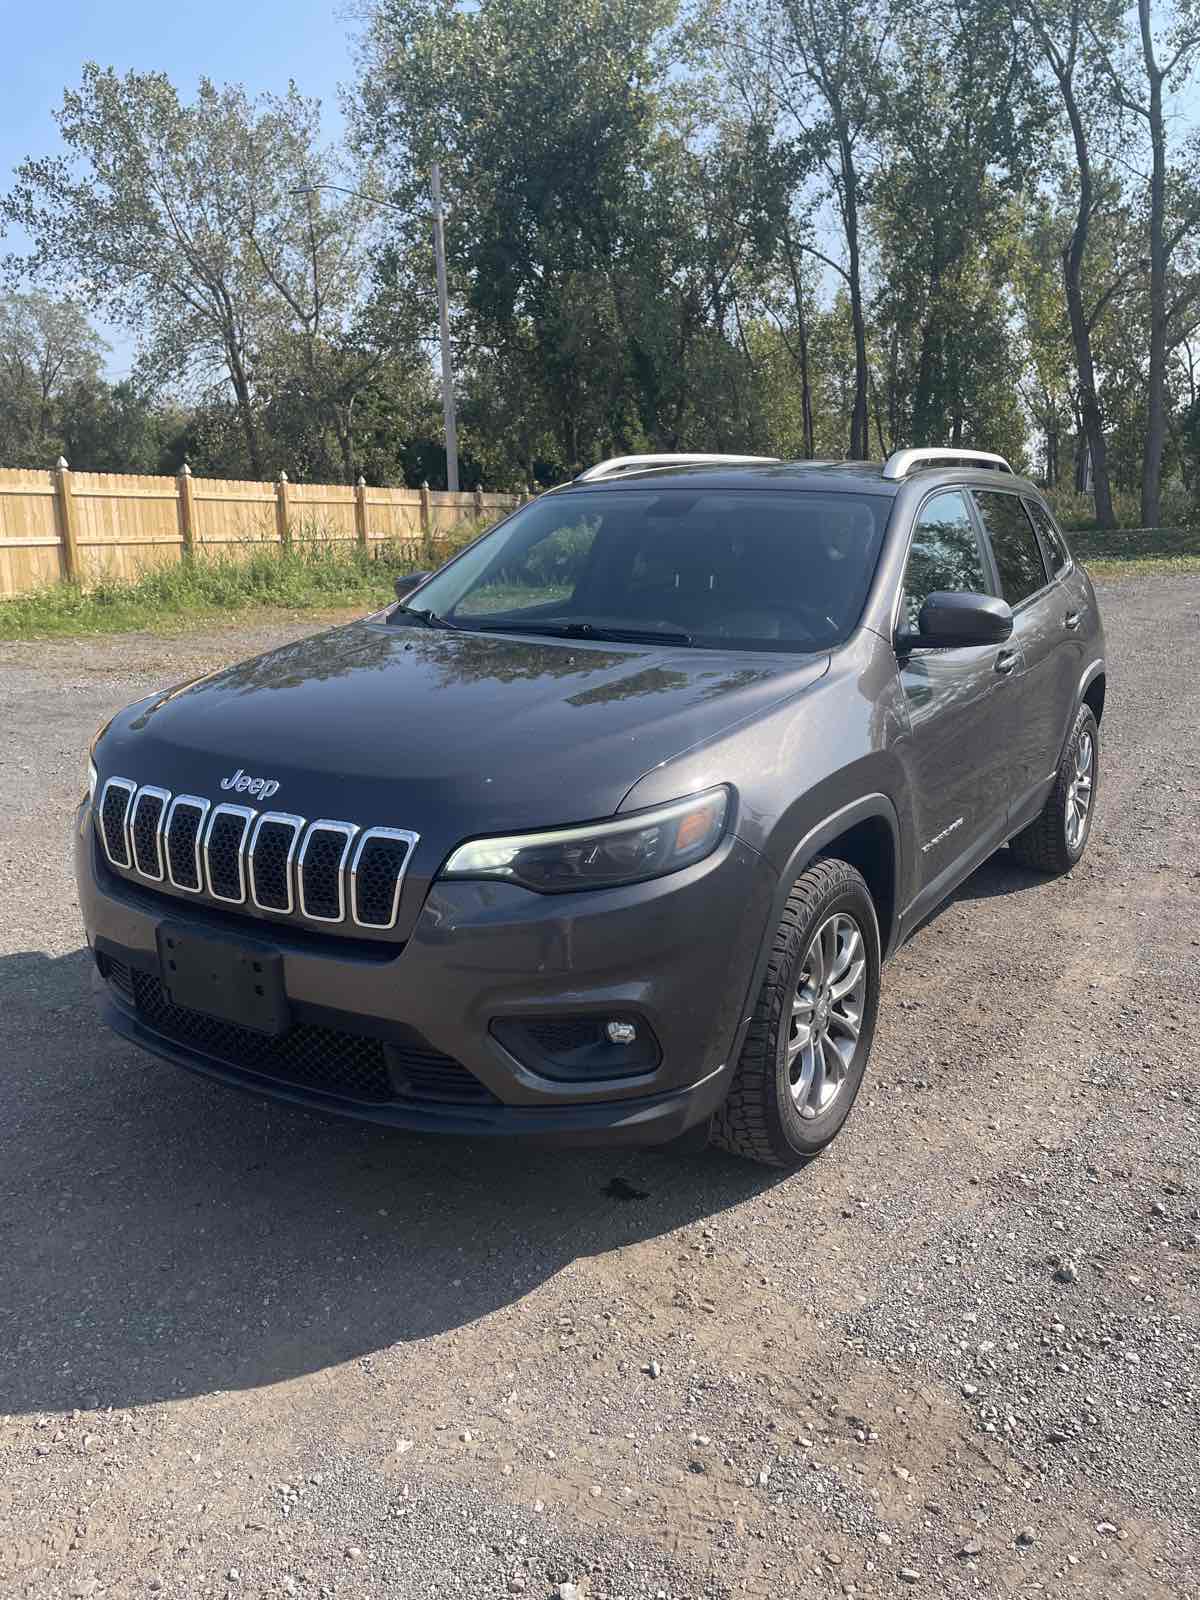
point(310, 574)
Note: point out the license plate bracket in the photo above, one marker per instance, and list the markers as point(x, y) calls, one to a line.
point(239, 983)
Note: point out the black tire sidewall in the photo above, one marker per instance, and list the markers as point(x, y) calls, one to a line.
point(794, 1134)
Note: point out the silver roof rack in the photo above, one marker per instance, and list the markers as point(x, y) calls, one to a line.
point(617, 465)
point(901, 462)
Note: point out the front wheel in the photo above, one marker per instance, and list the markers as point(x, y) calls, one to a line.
point(1058, 835)
point(809, 1039)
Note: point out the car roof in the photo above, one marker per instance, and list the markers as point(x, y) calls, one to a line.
point(837, 477)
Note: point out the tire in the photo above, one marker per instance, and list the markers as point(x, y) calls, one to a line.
point(1058, 836)
point(773, 1112)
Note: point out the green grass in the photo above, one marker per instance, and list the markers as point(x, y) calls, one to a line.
point(309, 576)
point(1136, 552)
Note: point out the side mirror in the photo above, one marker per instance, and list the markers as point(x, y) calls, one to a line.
point(954, 621)
point(408, 581)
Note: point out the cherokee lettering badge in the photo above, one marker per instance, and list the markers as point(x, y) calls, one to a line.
point(264, 788)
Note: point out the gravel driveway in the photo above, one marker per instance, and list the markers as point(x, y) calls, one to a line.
point(245, 1351)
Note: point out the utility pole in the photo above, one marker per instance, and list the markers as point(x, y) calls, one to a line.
point(439, 250)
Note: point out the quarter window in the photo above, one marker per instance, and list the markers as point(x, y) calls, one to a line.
point(1056, 549)
point(944, 554)
point(1014, 543)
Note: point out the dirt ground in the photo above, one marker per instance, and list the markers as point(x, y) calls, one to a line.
point(248, 1352)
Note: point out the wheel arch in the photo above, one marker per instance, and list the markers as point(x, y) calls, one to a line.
point(866, 832)
point(1092, 688)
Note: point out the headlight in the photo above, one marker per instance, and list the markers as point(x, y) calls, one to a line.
point(600, 855)
point(92, 778)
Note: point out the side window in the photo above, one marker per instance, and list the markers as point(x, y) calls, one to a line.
point(1014, 544)
point(944, 554)
point(1056, 549)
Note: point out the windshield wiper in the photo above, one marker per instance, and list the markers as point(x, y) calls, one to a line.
point(429, 618)
point(588, 630)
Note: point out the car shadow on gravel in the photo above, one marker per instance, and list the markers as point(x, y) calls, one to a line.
point(161, 1236)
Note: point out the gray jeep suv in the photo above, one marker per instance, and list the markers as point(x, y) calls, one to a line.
point(603, 833)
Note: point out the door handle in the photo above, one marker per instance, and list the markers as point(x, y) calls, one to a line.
point(1006, 661)
point(1072, 620)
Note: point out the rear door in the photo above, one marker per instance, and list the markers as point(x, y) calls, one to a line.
point(961, 706)
point(1043, 672)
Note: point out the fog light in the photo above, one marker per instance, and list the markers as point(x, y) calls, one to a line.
point(620, 1032)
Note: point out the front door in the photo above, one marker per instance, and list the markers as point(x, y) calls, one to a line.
point(1043, 677)
point(960, 708)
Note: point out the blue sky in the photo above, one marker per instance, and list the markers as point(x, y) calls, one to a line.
point(261, 43)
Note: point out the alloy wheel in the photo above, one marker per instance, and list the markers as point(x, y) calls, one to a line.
point(827, 1013)
point(1079, 791)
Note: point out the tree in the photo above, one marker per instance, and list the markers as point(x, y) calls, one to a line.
point(959, 131)
point(1165, 61)
point(179, 221)
point(829, 55)
point(46, 347)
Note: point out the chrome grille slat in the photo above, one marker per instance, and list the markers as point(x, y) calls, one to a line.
point(321, 869)
point(146, 818)
point(271, 881)
point(325, 871)
point(377, 873)
point(114, 829)
point(226, 833)
point(184, 832)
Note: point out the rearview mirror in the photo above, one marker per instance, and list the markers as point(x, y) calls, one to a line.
point(408, 581)
point(950, 620)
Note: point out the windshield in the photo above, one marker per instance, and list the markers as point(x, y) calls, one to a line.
point(749, 569)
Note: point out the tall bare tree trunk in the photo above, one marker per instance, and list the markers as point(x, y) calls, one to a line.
point(1156, 406)
point(1081, 333)
point(859, 422)
point(806, 412)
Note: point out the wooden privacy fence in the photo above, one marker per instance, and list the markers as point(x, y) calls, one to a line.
point(85, 526)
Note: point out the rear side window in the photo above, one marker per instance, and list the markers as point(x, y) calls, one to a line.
point(1014, 544)
point(1056, 549)
point(944, 554)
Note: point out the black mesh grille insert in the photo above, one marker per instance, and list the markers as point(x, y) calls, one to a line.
point(112, 820)
point(556, 1038)
point(320, 874)
point(143, 833)
point(270, 862)
point(338, 1063)
point(380, 864)
point(321, 1058)
point(224, 855)
point(181, 844)
point(424, 1075)
point(116, 973)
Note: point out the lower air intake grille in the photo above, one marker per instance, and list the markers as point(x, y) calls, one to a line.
point(116, 973)
point(345, 1064)
point(338, 1063)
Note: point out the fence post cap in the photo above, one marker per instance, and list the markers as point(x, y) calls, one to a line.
point(425, 483)
point(283, 477)
point(185, 471)
point(362, 482)
point(61, 463)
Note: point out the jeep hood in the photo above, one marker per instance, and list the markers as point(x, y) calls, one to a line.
point(449, 734)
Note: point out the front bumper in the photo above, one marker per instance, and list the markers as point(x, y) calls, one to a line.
point(677, 953)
